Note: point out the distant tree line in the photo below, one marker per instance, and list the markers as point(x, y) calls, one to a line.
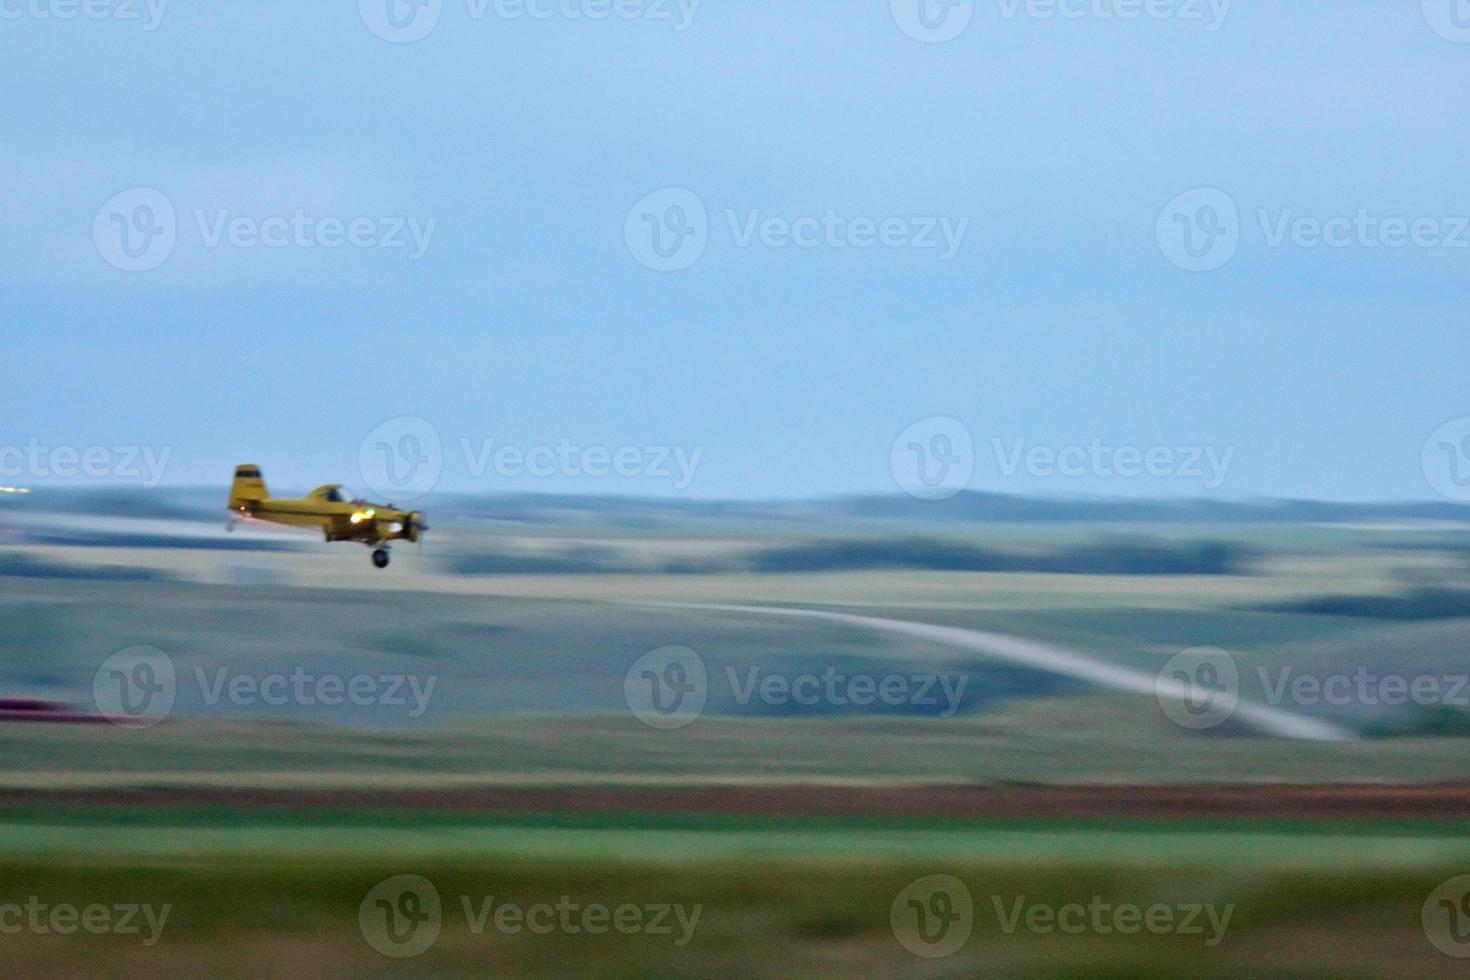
point(1123, 557)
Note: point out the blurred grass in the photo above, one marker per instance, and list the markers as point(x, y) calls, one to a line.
point(104, 833)
point(825, 914)
point(1100, 738)
point(531, 671)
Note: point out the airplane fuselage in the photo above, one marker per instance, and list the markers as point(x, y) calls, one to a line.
point(327, 510)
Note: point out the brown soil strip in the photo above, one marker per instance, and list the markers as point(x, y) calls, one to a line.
point(1262, 801)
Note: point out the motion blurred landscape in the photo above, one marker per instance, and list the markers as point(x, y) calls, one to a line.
point(935, 489)
point(794, 825)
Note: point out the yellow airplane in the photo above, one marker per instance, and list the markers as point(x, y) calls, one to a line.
point(327, 509)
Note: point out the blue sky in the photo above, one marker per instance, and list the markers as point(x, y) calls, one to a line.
point(522, 145)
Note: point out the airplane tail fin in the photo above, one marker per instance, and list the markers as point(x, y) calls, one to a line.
point(248, 486)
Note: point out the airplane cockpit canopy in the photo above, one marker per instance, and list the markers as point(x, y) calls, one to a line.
point(336, 496)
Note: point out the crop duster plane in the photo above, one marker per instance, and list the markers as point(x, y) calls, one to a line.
point(327, 509)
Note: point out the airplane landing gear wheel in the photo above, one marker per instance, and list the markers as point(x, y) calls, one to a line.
point(380, 558)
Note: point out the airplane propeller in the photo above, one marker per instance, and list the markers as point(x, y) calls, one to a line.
point(416, 528)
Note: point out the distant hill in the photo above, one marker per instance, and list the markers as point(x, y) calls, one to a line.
point(969, 507)
point(993, 507)
point(635, 512)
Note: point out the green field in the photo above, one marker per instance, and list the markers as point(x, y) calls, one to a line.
point(279, 895)
point(529, 673)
